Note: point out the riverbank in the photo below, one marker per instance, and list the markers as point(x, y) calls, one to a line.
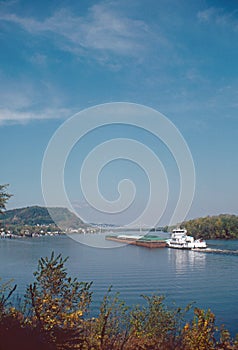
point(209, 279)
point(60, 318)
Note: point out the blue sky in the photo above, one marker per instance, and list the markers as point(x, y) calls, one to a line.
point(178, 57)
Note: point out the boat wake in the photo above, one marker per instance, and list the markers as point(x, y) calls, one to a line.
point(217, 251)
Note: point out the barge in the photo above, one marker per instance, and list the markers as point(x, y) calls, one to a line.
point(148, 241)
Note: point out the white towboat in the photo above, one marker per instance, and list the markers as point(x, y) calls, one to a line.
point(180, 240)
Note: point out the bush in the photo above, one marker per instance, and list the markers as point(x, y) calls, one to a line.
point(55, 316)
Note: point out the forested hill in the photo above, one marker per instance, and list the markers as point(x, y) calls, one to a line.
point(223, 226)
point(37, 215)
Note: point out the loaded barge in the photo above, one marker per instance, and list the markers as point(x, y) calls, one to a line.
point(148, 241)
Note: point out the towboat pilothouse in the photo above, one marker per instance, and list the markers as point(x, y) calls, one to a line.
point(180, 240)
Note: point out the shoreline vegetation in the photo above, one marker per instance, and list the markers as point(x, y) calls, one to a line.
point(223, 226)
point(55, 314)
point(36, 221)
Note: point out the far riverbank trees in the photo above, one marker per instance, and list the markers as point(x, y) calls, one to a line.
point(223, 226)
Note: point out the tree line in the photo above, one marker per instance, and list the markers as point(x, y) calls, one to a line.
point(223, 226)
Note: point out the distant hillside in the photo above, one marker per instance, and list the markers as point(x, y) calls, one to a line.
point(39, 215)
point(223, 226)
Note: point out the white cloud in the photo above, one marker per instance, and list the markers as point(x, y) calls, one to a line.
point(102, 29)
point(22, 100)
point(11, 116)
point(38, 59)
point(219, 17)
point(207, 15)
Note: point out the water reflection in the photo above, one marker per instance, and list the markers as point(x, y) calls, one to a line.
point(186, 260)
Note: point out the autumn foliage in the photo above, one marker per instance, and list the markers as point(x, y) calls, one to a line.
point(55, 314)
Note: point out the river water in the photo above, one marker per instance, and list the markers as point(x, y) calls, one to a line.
point(209, 279)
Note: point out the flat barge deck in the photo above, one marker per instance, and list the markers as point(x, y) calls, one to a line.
point(148, 241)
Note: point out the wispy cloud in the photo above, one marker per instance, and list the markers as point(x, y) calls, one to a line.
point(10, 116)
point(102, 29)
point(38, 59)
point(219, 17)
point(22, 101)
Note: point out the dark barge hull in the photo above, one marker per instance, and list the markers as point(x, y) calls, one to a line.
point(140, 243)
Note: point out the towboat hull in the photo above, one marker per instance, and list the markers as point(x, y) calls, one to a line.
point(180, 240)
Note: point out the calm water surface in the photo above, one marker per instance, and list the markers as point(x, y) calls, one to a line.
point(209, 279)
